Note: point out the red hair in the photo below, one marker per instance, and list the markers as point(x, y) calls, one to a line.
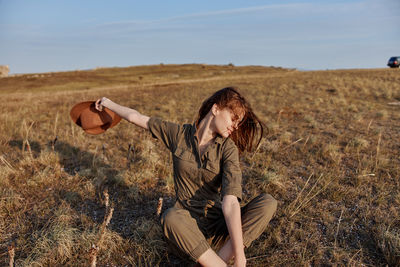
point(250, 130)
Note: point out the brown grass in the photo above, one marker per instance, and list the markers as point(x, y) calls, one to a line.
point(331, 159)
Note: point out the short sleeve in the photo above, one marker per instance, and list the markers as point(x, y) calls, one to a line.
point(231, 172)
point(165, 131)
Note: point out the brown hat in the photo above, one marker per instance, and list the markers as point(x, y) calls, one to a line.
point(91, 120)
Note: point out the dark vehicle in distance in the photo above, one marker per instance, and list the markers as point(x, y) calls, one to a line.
point(394, 62)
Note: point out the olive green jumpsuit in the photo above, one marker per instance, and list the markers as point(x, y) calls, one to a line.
point(196, 220)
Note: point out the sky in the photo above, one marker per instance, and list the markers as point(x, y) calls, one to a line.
point(48, 35)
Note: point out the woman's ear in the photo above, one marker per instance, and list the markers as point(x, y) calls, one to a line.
point(214, 109)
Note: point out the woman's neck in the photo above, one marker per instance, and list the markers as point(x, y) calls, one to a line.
point(204, 131)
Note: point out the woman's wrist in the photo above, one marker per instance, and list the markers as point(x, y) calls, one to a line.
point(104, 101)
point(239, 253)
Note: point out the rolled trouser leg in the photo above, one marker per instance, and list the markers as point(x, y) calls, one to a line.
point(256, 216)
point(182, 230)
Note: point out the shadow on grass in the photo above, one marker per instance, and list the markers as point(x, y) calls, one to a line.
point(33, 145)
point(128, 207)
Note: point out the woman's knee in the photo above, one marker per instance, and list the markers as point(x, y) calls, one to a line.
point(170, 219)
point(269, 204)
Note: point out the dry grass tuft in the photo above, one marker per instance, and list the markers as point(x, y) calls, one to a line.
point(388, 240)
point(359, 142)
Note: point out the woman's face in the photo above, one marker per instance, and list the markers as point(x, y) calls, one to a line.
point(225, 121)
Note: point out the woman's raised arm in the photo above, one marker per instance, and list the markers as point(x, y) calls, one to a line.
point(126, 113)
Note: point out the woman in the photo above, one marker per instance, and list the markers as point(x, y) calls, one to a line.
point(208, 178)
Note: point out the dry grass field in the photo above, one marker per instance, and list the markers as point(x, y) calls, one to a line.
point(331, 159)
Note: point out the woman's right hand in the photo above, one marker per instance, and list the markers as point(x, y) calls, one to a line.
point(240, 261)
point(99, 103)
